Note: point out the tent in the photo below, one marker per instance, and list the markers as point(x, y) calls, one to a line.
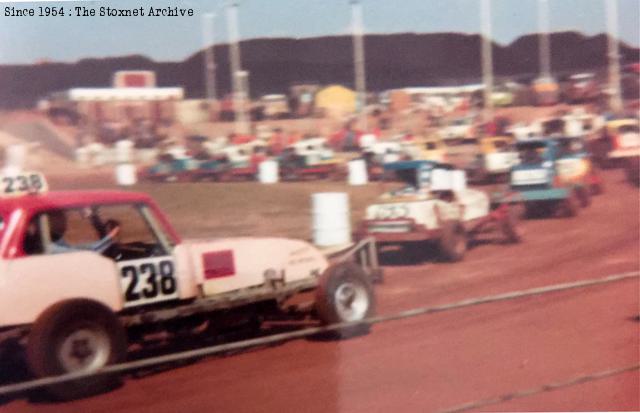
point(336, 100)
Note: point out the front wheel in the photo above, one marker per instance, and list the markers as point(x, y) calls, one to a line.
point(584, 197)
point(571, 205)
point(75, 337)
point(453, 241)
point(345, 295)
point(510, 225)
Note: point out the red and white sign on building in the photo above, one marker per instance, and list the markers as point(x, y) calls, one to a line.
point(134, 78)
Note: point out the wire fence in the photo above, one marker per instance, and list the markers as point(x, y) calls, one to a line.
point(541, 389)
point(275, 338)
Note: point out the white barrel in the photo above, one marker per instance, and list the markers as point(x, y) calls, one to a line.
point(15, 157)
point(123, 151)
point(441, 180)
point(368, 139)
point(458, 180)
point(82, 155)
point(98, 153)
point(268, 172)
point(573, 127)
point(126, 174)
point(357, 172)
point(331, 219)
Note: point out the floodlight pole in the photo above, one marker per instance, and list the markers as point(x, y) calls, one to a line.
point(209, 62)
point(544, 49)
point(236, 68)
point(613, 51)
point(487, 59)
point(357, 28)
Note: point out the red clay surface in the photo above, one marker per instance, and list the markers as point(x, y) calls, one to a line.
point(435, 362)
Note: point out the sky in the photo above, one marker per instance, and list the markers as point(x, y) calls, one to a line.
point(69, 38)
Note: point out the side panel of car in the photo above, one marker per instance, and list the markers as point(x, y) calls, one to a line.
point(422, 212)
point(29, 285)
point(475, 204)
point(499, 162)
point(227, 265)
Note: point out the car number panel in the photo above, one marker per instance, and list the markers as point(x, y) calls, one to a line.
point(148, 280)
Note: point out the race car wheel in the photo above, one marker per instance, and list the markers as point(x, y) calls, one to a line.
point(570, 205)
point(453, 241)
point(289, 175)
point(510, 225)
point(584, 197)
point(632, 172)
point(345, 294)
point(597, 188)
point(72, 337)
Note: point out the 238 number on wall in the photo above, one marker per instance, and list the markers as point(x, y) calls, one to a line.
point(148, 280)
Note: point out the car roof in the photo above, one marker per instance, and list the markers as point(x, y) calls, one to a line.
point(69, 199)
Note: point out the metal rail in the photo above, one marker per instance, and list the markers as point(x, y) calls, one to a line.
point(544, 388)
point(275, 338)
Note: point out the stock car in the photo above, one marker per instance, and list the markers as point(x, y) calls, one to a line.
point(85, 274)
point(495, 158)
point(425, 215)
point(619, 145)
point(554, 174)
point(309, 158)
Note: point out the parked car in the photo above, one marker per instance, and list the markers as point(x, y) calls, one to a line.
point(309, 158)
point(545, 91)
point(619, 145)
point(458, 130)
point(581, 88)
point(429, 148)
point(275, 106)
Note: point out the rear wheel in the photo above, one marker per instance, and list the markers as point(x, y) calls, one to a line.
point(453, 241)
point(597, 188)
point(571, 205)
point(345, 295)
point(584, 197)
point(632, 170)
point(510, 225)
point(73, 337)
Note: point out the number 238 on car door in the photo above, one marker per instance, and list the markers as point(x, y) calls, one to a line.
point(148, 280)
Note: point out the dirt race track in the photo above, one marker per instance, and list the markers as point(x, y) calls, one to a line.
point(430, 362)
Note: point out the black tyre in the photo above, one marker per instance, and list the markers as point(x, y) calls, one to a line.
point(478, 176)
point(632, 171)
point(597, 188)
point(76, 336)
point(510, 225)
point(584, 196)
point(345, 294)
point(453, 241)
point(571, 205)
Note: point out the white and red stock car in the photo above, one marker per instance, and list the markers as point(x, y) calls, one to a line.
point(84, 274)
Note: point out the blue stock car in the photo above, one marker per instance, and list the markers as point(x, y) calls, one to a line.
point(554, 175)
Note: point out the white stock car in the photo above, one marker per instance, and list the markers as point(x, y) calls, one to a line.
point(427, 210)
point(83, 274)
